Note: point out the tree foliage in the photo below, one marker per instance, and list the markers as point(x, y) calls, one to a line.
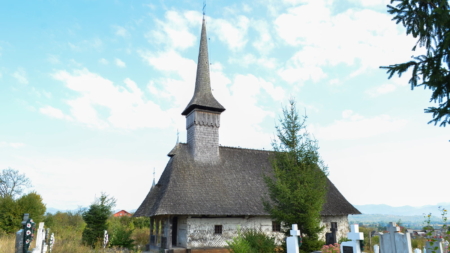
point(12, 183)
point(96, 219)
point(298, 187)
point(429, 22)
point(12, 211)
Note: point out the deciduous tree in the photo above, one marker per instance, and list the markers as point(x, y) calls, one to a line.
point(12, 183)
point(298, 186)
point(429, 22)
point(12, 211)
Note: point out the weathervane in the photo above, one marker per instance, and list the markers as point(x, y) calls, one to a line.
point(178, 136)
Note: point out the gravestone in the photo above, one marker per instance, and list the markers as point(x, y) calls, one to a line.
point(434, 247)
point(355, 236)
point(292, 241)
point(40, 239)
point(105, 239)
point(445, 244)
point(19, 241)
point(376, 248)
point(51, 242)
point(20, 236)
point(331, 238)
point(417, 251)
point(394, 241)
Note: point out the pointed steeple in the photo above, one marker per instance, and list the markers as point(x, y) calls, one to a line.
point(153, 184)
point(203, 97)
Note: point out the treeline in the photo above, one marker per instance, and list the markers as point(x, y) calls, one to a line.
point(75, 230)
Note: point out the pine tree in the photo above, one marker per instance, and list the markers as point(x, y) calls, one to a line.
point(298, 186)
point(429, 22)
point(96, 219)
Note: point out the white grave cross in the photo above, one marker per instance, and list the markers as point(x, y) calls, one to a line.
point(355, 236)
point(40, 239)
point(292, 241)
point(394, 241)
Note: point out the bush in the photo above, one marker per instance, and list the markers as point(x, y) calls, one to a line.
point(332, 248)
point(121, 237)
point(252, 241)
point(239, 245)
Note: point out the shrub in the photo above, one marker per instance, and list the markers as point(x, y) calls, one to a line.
point(239, 245)
point(121, 236)
point(252, 241)
point(332, 248)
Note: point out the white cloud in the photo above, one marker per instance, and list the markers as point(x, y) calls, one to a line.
point(382, 89)
point(101, 104)
point(232, 33)
point(103, 61)
point(298, 74)
point(372, 3)
point(120, 63)
point(53, 59)
point(11, 144)
point(171, 62)
point(391, 86)
point(356, 36)
point(245, 111)
point(353, 126)
point(95, 43)
point(74, 47)
point(247, 60)
point(174, 32)
point(120, 31)
point(53, 112)
point(21, 76)
point(265, 43)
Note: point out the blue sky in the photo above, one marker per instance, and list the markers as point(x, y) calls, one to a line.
point(91, 93)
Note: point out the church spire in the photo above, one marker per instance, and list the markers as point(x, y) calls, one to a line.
point(203, 112)
point(203, 97)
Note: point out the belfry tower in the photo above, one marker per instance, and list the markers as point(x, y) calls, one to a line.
point(203, 111)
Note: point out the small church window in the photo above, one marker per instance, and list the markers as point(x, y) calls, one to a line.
point(276, 226)
point(218, 229)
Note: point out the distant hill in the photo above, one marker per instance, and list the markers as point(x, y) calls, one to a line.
point(402, 210)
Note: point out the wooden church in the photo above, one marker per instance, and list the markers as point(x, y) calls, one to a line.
point(207, 191)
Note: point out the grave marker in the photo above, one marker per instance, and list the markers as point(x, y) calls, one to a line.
point(434, 247)
point(40, 239)
point(376, 248)
point(355, 236)
point(52, 242)
point(292, 241)
point(394, 241)
point(19, 241)
point(105, 239)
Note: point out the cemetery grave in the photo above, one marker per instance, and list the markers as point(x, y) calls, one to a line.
point(28, 233)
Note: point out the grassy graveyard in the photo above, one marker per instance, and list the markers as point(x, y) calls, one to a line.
point(68, 228)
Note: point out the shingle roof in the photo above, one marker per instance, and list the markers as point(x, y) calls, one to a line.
point(234, 186)
point(203, 97)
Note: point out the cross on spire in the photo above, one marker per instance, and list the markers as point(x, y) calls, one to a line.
point(153, 184)
point(204, 7)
